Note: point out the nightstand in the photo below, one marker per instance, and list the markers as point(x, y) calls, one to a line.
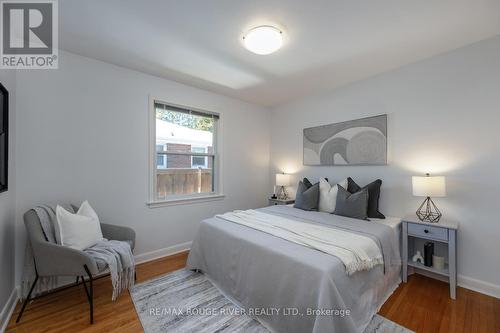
point(275, 202)
point(442, 234)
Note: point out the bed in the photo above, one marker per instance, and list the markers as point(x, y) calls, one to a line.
point(293, 288)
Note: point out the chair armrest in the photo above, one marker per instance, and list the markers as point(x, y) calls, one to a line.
point(116, 232)
point(53, 259)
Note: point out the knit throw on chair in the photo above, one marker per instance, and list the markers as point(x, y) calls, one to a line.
point(115, 255)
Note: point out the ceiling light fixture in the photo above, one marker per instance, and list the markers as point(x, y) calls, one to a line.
point(263, 40)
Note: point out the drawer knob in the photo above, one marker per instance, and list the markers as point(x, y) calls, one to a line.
point(426, 231)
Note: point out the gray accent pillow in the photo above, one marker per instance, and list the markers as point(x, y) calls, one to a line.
point(373, 196)
point(353, 205)
point(307, 197)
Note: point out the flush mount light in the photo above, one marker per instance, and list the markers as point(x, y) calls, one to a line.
point(263, 40)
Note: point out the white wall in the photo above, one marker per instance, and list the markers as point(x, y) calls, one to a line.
point(7, 205)
point(443, 118)
point(83, 134)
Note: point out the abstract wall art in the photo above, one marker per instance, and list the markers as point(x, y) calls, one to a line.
point(355, 142)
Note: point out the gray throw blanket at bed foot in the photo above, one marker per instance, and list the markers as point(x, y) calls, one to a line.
point(115, 255)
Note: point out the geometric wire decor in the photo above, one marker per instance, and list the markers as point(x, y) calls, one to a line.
point(282, 193)
point(428, 212)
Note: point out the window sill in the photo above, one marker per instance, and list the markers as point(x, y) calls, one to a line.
point(185, 201)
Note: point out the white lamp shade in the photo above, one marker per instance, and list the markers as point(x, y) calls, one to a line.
point(428, 186)
point(282, 179)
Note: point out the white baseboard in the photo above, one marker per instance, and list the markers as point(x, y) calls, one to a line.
point(479, 286)
point(7, 310)
point(156, 254)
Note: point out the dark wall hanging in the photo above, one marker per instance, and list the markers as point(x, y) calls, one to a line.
point(4, 138)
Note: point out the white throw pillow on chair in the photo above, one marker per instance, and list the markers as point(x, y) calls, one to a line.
point(81, 230)
point(328, 195)
point(87, 210)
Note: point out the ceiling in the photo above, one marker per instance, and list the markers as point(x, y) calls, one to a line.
point(328, 43)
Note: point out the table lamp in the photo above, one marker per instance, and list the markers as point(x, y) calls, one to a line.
point(282, 180)
point(428, 187)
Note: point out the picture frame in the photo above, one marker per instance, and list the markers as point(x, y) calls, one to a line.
point(349, 143)
point(4, 139)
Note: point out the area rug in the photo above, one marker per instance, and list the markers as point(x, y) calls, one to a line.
point(186, 301)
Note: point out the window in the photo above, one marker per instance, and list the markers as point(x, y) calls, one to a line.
point(199, 161)
point(185, 148)
point(161, 161)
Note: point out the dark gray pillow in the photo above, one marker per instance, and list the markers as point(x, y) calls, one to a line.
point(308, 183)
point(373, 196)
point(307, 197)
point(353, 205)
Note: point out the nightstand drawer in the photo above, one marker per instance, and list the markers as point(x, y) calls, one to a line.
point(278, 202)
point(427, 231)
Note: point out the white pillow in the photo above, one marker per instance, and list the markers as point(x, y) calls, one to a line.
point(328, 195)
point(78, 231)
point(87, 210)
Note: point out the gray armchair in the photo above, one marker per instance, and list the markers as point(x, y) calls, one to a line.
point(57, 260)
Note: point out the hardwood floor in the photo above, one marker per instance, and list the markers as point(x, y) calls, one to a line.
point(68, 310)
point(421, 305)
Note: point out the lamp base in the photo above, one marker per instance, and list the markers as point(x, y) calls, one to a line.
point(428, 212)
point(282, 194)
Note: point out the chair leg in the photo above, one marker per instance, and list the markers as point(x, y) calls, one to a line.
point(77, 279)
point(86, 290)
point(27, 299)
point(90, 293)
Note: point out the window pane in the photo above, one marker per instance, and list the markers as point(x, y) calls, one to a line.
point(160, 159)
point(199, 161)
point(186, 132)
point(198, 149)
point(180, 131)
point(179, 181)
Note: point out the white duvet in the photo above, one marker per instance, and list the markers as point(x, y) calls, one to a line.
point(357, 252)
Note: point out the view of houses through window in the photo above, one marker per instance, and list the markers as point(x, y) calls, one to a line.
point(185, 151)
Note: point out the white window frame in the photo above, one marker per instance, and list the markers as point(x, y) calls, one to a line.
point(217, 167)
